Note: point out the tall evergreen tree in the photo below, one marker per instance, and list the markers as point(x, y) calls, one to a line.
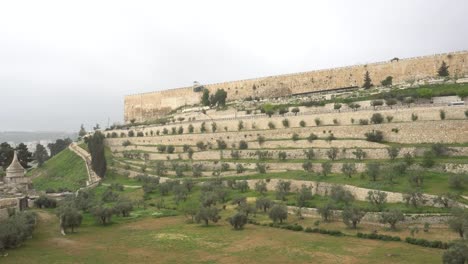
point(367, 81)
point(41, 155)
point(6, 155)
point(24, 155)
point(443, 70)
point(82, 132)
point(96, 148)
point(205, 100)
point(59, 145)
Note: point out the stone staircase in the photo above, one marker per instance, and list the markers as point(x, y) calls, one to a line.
point(93, 178)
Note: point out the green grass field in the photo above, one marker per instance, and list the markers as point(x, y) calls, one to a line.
point(64, 170)
point(171, 240)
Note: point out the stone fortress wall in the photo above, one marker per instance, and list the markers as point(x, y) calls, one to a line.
point(147, 106)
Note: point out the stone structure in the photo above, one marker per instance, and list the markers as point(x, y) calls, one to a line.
point(147, 106)
point(15, 174)
point(14, 190)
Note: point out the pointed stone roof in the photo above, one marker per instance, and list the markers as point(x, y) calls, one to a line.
point(15, 167)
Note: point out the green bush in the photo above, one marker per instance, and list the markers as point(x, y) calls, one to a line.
point(324, 231)
point(378, 237)
point(427, 243)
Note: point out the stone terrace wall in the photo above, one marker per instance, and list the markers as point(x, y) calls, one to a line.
point(446, 131)
point(148, 106)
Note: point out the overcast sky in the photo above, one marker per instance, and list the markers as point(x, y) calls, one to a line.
point(63, 63)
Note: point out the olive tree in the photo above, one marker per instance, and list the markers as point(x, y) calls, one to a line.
point(278, 213)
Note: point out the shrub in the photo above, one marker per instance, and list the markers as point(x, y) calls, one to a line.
point(260, 140)
point(295, 137)
point(102, 214)
point(238, 221)
point(375, 103)
point(278, 213)
point(16, 229)
point(202, 127)
point(426, 243)
point(197, 170)
point(235, 154)
point(326, 212)
point(457, 181)
point(377, 118)
point(332, 153)
point(317, 121)
point(414, 117)
point(312, 137)
point(239, 168)
point(340, 195)
point(282, 189)
point(377, 198)
point(393, 152)
point(348, 169)
point(324, 231)
point(200, 145)
point(359, 153)
point(389, 118)
point(302, 123)
point(240, 125)
point(363, 122)
point(221, 144)
point(307, 166)
point(282, 155)
point(295, 110)
point(271, 125)
point(170, 149)
point(261, 167)
point(326, 168)
point(442, 114)
point(387, 81)
point(243, 144)
point(378, 236)
point(352, 216)
point(428, 159)
point(392, 217)
point(285, 122)
point(374, 136)
point(45, 202)
point(337, 106)
point(390, 102)
point(309, 153)
point(126, 143)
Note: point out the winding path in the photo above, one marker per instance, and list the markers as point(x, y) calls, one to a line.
point(93, 178)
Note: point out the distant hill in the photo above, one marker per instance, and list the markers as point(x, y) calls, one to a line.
point(22, 136)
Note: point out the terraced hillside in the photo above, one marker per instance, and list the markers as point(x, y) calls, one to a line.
point(416, 147)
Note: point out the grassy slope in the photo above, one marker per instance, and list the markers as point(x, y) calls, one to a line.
point(65, 170)
point(170, 240)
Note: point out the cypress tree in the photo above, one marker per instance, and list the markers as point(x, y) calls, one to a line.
point(367, 81)
point(96, 149)
point(443, 70)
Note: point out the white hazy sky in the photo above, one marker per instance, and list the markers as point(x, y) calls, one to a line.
point(63, 63)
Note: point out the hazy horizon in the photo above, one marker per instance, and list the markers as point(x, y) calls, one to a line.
point(66, 64)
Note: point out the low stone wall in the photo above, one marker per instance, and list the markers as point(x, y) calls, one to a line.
point(8, 204)
point(374, 217)
point(443, 131)
point(360, 194)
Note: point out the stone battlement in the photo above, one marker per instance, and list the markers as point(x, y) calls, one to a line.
point(147, 106)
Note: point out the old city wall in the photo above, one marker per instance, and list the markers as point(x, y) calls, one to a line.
point(148, 106)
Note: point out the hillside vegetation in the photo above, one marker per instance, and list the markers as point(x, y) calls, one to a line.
point(66, 170)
